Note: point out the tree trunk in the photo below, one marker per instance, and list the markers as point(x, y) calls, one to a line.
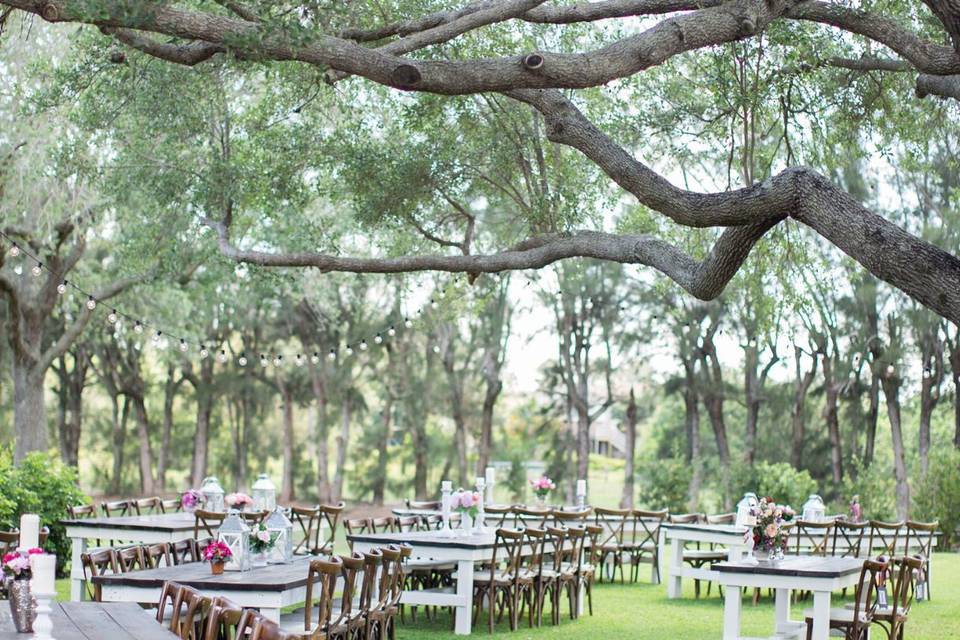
point(891, 390)
point(380, 475)
point(343, 440)
point(163, 456)
point(29, 410)
point(927, 404)
point(321, 433)
point(954, 357)
point(286, 396)
point(830, 417)
point(873, 414)
point(147, 485)
point(203, 390)
point(420, 458)
point(751, 398)
point(455, 382)
point(118, 439)
point(626, 501)
point(803, 380)
point(493, 387)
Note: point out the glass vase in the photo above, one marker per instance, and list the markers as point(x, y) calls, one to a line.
point(23, 608)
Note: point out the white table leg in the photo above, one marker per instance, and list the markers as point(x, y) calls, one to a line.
point(78, 548)
point(731, 612)
point(821, 615)
point(782, 611)
point(675, 583)
point(661, 556)
point(464, 597)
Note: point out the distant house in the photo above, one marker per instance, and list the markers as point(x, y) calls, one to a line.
point(606, 438)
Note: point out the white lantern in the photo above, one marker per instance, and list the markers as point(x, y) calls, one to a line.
point(813, 509)
point(745, 517)
point(212, 494)
point(280, 526)
point(264, 494)
point(235, 533)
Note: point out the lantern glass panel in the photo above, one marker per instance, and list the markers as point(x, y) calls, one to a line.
point(264, 494)
point(212, 494)
point(279, 524)
point(235, 533)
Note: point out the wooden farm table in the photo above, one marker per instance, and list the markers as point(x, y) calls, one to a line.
point(728, 536)
point(268, 589)
point(429, 545)
point(97, 621)
point(803, 573)
point(164, 527)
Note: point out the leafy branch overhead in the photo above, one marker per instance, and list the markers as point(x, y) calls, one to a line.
point(430, 53)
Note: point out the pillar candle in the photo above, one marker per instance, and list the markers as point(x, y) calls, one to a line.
point(44, 570)
point(581, 488)
point(490, 476)
point(29, 531)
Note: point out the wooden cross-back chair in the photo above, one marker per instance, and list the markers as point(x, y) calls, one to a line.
point(524, 516)
point(307, 519)
point(357, 526)
point(848, 538)
point(504, 582)
point(590, 565)
point(147, 506)
point(97, 563)
point(253, 518)
point(721, 518)
point(369, 581)
point(644, 543)
point(386, 524)
point(9, 541)
point(496, 514)
point(884, 537)
point(189, 612)
point(207, 522)
point(130, 559)
point(921, 536)
point(541, 566)
point(404, 524)
point(227, 620)
point(157, 555)
point(613, 522)
point(813, 538)
point(853, 622)
point(340, 627)
point(905, 572)
point(171, 505)
point(563, 518)
point(381, 614)
point(184, 551)
point(115, 508)
point(314, 618)
point(330, 517)
point(424, 505)
point(82, 511)
point(572, 578)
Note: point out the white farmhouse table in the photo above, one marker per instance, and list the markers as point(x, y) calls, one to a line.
point(730, 537)
point(147, 529)
point(802, 573)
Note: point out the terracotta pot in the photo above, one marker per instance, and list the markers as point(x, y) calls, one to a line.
point(217, 567)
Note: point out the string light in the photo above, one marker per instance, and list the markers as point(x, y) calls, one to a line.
point(183, 345)
point(433, 303)
point(62, 287)
point(157, 336)
point(407, 323)
point(277, 360)
point(14, 250)
point(926, 373)
point(222, 357)
point(242, 361)
point(37, 269)
point(299, 360)
point(203, 352)
point(349, 350)
point(18, 269)
point(91, 303)
point(436, 348)
point(112, 317)
point(137, 326)
point(363, 345)
point(263, 360)
point(391, 331)
point(332, 355)
point(315, 358)
point(378, 339)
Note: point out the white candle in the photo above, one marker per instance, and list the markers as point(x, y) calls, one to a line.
point(446, 485)
point(44, 570)
point(581, 488)
point(29, 531)
point(490, 475)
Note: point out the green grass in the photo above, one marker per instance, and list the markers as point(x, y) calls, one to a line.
point(642, 610)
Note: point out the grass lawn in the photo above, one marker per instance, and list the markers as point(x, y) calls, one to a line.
point(643, 611)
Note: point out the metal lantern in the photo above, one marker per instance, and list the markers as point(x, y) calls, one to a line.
point(745, 517)
point(278, 524)
point(264, 494)
point(235, 533)
point(813, 509)
point(212, 494)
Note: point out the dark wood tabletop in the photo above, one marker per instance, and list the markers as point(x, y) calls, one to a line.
point(179, 521)
point(273, 577)
point(97, 621)
point(428, 539)
point(805, 566)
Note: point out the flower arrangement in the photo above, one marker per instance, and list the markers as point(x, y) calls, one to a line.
point(217, 553)
point(542, 486)
point(262, 539)
point(768, 534)
point(191, 499)
point(466, 502)
point(238, 501)
point(856, 511)
point(17, 565)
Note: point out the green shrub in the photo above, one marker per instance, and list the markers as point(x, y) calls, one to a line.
point(778, 480)
point(937, 496)
point(876, 487)
point(40, 484)
point(663, 484)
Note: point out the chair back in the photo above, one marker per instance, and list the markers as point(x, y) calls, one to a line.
point(386, 524)
point(593, 533)
point(369, 581)
point(97, 563)
point(116, 508)
point(907, 571)
point(507, 554)
point(646, 527)
point(496, 514)
point(405, 552)
point(563, 518)
point(884, 537)
point(559, 549)
point(576, 540)
point(207, 522)
point(130, 559)
point(189, 614)
point(813, 538)
point(82, 511)
point(872, 575)
point(171, 505)
point(330, 513)
point(226, 620)
point(424, 505)
point(354, 526)
point(524, 516)
point(921, 536)
point(184, 551)
point(9, 540)
point(404, 524)
point(390, 573)
point(613, 522)
point(533, 556)
point(308, 520)
point(169, 595)
point(432, 522)
point(722, 518)
point(352, 565)
point(685, 518)
point(264, 629)
point(157, 555)
point(146, 506)
point(253, 518)
point(325, 574)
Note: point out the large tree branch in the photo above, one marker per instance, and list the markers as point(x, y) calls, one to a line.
point(944, 86)
point(185, 54)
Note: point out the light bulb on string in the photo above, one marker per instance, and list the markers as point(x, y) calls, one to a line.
point(18, 269)
point(222, 356)
point(433, 303)
point(183, 345)
point(391, 331)
point(349, 350)
point(926, 373)
point(242, 360)
point(91, 303)
point(157, 336)
point(203, 352)
point(137, 326)
point(299, 360)
point(436, 348)
point(378, 339)
point(112, 317)
point(37, 269)
point(14, 250)
point(315, 358)
point(407, 323)
point(332, 355)
point(891, 370)
point(62, 287)
point(590, 304)
point(363, 345)
point(277, 360)
point(263, 360)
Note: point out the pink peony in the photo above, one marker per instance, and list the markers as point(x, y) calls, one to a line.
point(35, 551)
point(263, 536)
point(771, 530)
point(238, 500)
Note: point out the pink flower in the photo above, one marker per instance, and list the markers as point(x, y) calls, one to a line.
point(35, 551)
point(771, 530)
point(238, 499)
point(7, 557)
point(263, 536)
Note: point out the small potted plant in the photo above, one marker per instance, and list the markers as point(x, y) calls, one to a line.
point(262, 541)
point(190, 500)
point(542, 487)
point(467, 504)
point(238, 501)
point(17, 574)
point(217, 555)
